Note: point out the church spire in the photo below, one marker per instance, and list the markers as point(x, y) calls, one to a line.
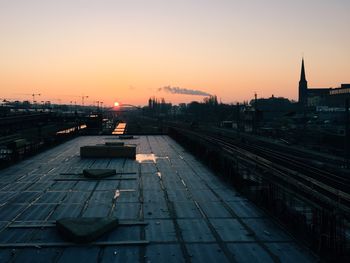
point(302, 74)
point(303, 94)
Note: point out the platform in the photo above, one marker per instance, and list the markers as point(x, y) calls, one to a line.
point(185, 212)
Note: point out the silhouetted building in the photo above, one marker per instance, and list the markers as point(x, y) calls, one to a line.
point(338, 96)
point(333, 97)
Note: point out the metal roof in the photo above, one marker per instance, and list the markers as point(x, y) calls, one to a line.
point(190, 214)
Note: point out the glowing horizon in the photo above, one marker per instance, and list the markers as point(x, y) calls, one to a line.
point(127, 50)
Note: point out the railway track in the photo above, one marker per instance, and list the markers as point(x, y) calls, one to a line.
point(295, 163)
point(325, 162)
point(313, 180)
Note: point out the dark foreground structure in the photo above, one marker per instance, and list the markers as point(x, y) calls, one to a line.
point(179, 210)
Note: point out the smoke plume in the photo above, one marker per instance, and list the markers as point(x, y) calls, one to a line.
point(177, 90)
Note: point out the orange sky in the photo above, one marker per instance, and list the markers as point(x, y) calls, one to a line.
point(126, 50)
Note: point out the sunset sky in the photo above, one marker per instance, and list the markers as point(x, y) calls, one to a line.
point(126, 50)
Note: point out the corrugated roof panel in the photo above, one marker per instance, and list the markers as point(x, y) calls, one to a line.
point(66, 210)
point(206, 253)
point(186, 209)
point(243, 208)
point(231, 229)
point(289, 252)
point(76, 197)
point(51, 197)
point(160, 230)
point(9, 211)
point(108, 185)
point(266, 230)
point(214, 209)
point(124, 233)
point(170, 253)
point(155, 210)
point(37, 212)
point(37, 255)
point(82, 254)
point(126, 210)
point(195, 230)
point(120, 254)
point(97, 210)
point(153, 195)
point(250, 252)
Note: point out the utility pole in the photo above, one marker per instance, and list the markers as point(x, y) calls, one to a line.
point(255, 113)
point(34, 101)
point(83, 98)
point(347, 133)
point(237, 119)
point(35, 94)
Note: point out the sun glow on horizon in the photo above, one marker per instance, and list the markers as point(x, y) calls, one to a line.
point(134, 48)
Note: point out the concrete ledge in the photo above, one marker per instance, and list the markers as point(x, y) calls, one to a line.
point(125, 137)
point(104, 151)
point(98, 173)
point(114, 143)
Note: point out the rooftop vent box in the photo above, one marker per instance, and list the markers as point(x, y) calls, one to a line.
point(84, 230)
point(108, 151)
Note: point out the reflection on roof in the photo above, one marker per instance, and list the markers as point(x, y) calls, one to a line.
point(120, 129)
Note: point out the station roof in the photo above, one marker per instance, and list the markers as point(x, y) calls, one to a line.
point(189, 214)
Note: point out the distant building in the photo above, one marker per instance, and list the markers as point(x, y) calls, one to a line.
point(337, 96)
point(334, 97)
